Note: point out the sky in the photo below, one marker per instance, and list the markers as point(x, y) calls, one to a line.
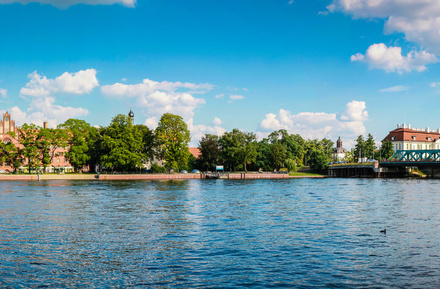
point(318, 68)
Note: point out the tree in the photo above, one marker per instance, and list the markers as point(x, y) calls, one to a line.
point(49, 140)
point(359, 148)
point(31, 149)
point(82, 139)
point(369, 147)
point(277, 155)
point(209, 152)
point(386, 150)
point(239, 148)
point(262, 159)
point(290, 165)
point(11, 155)
point(173, 138)
point(318, 160)
point(327, 146)
point(120, 145)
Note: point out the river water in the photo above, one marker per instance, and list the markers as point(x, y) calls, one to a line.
point(220, 234)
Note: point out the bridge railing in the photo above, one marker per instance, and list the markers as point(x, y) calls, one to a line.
point(416, 156)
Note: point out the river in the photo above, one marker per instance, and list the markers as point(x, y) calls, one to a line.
point(297, 233)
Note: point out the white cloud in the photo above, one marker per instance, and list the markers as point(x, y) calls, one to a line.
point(217, 121)
point(390, 59)
point(83, 81)
point(3, 92)
point(157, 98)
point(220, 95)
point(198, 131)
point(396, 88)
point(434, 84)
point(348, 124)
point(236, 97)
point(417, 19)
point(67, 3)
point(44, 109)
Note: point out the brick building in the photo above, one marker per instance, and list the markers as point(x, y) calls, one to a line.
point(59, 162)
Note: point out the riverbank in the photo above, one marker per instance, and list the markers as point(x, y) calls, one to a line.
point(115, 177)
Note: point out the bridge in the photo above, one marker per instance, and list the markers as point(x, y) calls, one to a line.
point(413, 158)
point(399, 165)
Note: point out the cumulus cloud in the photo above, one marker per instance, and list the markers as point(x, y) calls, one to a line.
point(157, 98)
point(417, 19)
point(396, 88)
point(3, 92)
point(42, 105)
point(310, 125)
point(198, 131)
point(44, 109)
point(390, 59)
point(67, 3)
point(83, 81)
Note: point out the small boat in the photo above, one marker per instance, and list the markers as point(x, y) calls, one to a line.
point(211, 176)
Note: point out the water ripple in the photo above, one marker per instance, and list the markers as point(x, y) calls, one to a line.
point(220, 234)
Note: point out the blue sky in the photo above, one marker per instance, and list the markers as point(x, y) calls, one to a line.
point(320, 68)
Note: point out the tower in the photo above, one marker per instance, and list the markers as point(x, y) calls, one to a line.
point(131, 115)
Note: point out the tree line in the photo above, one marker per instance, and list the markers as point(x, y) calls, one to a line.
point(124, 146)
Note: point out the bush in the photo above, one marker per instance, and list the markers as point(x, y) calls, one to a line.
point(291, 165)
point(155, 168)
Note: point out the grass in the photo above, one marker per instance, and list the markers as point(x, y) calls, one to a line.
point(306, 174)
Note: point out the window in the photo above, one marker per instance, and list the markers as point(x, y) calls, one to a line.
point(58, 160)
point(393, 137)
point(428, 138)
point(413, 137)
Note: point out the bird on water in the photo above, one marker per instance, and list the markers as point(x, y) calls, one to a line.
point(384, 231)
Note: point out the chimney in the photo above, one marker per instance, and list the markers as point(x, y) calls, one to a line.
point(45, 124)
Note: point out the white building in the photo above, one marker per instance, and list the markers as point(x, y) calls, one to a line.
point(406, 138)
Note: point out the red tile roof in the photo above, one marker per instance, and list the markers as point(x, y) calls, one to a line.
point(407, 134)
point(195, 152)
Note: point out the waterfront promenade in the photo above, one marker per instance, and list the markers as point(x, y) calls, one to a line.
point(115, 177)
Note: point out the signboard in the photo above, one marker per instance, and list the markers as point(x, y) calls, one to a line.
point(219, 168)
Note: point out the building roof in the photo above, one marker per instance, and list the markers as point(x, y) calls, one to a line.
point(408, 134)
point(195, 152)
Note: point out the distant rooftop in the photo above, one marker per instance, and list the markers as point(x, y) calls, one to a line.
point(408, 126)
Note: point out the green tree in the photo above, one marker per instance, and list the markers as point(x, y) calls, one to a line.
point(11, 155)
point(173, 137)
point(277, 155)
point(209, 152)
point(82, 138)
point(48, 141)
point(318, 160)
point(386, 150)
point(239, 148)
point(359, 148)
point(290, 165)
point(262, 160)
point(369, 147)
point(31, 149)
point(120, 145)
point(327, 146)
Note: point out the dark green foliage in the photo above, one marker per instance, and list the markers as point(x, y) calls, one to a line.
point(238, 149)
point(387, 150)
point(318, 160)
point(277, 155)
point(155, 168)
point(209, 152)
